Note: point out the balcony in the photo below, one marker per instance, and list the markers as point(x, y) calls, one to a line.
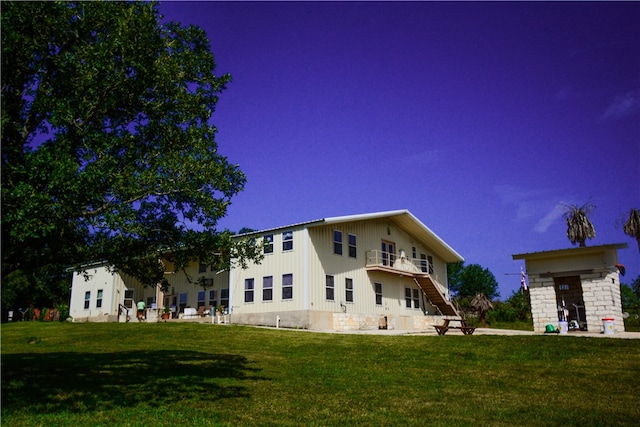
point(419, 270)
point(391, 263)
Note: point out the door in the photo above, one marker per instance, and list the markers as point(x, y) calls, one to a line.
point(388, 253)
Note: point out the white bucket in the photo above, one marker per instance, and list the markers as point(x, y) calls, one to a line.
point(563, 326)
point(607, 324)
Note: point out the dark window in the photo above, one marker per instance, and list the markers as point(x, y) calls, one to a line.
point(287, 241)
point(201, 295)
point(348, 286)
point(87, 298)
point(224, 298)
point(423, 263)
point(407, 297)
point(287, 286)
point(267, 243)
point(202, 268)
point(378, 288)
point(337, 242)
point(248, 290)
point(430, 259)
point(330, 288)
point(353, 252)
point(416, 298)
point(99, 299)
point(267, 288)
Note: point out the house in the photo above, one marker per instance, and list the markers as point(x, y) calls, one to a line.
point(580, 285)
point(370, 271)
point(102, 294)
point(379, 270)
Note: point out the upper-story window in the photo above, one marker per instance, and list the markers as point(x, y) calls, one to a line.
point(267, 243)
point(287, 241)
point(353, 252)
point(99, 299)
point(87, 298)
point(337, 242)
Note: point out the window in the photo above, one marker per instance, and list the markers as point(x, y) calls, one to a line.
point(423, 263)
point(128, 298)
point(212, 298)
point(412, 297)
point(330, 288)
point(224, 298)
point(287, 286)
point(337, 242)
point(430, 259)
point(87, 298)
point(352, 246)
point(348, 288)
point(378, 288)
point(287, 241)
point(99, 299)
point(182, 302)
point(248, 290)
point(201, 295)
point(267, 243)
point(413, 252)
point(202, 268)
point(267, 288)
point(388, 253)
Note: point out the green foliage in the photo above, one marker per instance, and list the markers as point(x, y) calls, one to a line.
point(108, 153)
point(169, 374)
point(467, 281)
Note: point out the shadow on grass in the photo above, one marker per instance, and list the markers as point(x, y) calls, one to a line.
point(74, 382)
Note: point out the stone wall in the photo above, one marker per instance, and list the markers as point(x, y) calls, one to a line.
point(600, 293)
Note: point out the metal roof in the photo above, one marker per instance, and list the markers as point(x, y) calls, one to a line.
point(569, 251)
point(402, 218)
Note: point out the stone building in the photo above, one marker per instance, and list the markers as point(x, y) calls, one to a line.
point(581, 283)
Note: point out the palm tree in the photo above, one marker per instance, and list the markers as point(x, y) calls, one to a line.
point(482, 304)
point(579, 228)
point(632, 226)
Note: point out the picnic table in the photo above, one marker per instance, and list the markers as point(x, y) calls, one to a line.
point(466, 330)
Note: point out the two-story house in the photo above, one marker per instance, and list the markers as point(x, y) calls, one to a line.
point(378, 270)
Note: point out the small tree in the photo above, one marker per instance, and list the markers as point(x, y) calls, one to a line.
point(482, 304)
point(632, 226)
point(579, 227)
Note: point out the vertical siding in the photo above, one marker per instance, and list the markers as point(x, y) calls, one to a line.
point(275, 264)
point(369, 236)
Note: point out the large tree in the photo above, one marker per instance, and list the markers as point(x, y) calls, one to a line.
point(468, 281)
point(579, 227)
point(108, 152)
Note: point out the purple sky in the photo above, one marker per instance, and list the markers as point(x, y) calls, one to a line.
point(480, 118)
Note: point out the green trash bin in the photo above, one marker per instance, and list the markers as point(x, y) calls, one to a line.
point(550, 329)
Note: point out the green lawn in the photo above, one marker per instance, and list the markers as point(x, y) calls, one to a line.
point(185, 374)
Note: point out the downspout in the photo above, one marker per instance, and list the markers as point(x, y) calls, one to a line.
point(305, 268)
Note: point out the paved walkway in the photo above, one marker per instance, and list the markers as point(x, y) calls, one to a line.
point(488, 331)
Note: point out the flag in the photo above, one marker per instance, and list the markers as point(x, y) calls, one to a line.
point(523, 282)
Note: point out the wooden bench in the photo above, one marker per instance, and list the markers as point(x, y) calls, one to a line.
point(444, 328)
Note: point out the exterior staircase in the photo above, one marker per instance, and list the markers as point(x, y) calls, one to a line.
point(431, 289)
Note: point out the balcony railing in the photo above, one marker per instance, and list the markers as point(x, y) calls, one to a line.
point(391, 260)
